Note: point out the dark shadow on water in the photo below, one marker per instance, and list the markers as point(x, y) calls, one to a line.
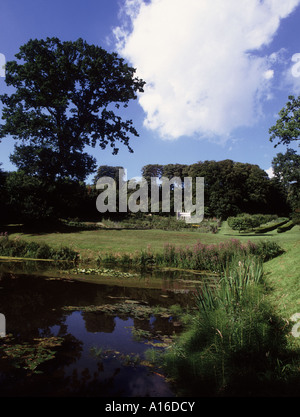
point(104, 331)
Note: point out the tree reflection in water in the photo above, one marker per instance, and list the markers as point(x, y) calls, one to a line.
point(99, 355)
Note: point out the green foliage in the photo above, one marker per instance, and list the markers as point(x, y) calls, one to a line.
point(285, 227)
point(267, 250)
point(296, 217)
point(247, 222)
point(202, 257)
point(22, 249)
point(271, 226)
point(27, 197)
point(287, 127)
point(235, 344)
point(30, 356)
point(230, 187)
point(242, 223)
point(144, 222)
point(238, 276)
point(31, 199)
point(286, 169)
point(259, 223)
point(63, 91)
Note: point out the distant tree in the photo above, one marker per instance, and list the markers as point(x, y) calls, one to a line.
point(28, 198)
point(113, 172)
point(230, 188)
point(286, 168)
point(233, 187)
point(4, 209)
point(63, 101)
point(152, 171)
point(108, 171)
point(287, 127)
point(174, 170)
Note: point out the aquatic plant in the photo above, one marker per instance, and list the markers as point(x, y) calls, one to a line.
point(201, 256)
point(29, 356)
point(235, 342)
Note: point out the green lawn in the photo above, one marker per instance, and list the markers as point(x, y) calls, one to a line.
point(283, 274)
point(129, 241)
point(118, 240)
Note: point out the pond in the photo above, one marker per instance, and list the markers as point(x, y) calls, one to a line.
point(88, 333)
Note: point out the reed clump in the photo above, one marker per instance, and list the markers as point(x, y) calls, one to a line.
point(213, 257)
point(234, 344)
point(20, 248)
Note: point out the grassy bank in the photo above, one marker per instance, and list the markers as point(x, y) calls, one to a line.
point(117, 240)
point(283, 275)
point(235, 344)
point(240, 342)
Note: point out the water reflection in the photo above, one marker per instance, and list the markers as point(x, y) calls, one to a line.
point(100, 354)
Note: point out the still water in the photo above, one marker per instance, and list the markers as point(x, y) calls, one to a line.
point(77, 335)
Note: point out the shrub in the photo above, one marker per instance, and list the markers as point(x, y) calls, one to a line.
point(285, 227)
point(246, 221)
point(267, 250)
point(23, 249)
point(296, 216)
point(271, 226)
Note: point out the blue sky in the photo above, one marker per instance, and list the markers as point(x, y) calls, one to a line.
point(217, 72)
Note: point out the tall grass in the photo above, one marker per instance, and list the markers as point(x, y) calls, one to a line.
point(212, 257)
point(20, 248)
point(234, 344)
point(238, 276)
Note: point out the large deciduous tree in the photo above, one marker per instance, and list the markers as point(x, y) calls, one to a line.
point(286, 166)
point(287, 127)
point(67, 95)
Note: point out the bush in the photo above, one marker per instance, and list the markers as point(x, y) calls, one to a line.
point(266, 250)
point(296, 217)
point(271, 226)
point(22, 249)
point(246, 221)
point(285, 227)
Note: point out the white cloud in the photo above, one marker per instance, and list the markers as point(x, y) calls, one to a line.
point(200, 59)
point(269, 74)
point(292, 74)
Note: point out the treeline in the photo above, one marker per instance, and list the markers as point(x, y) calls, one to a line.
point(230, 188)
point(31, 199)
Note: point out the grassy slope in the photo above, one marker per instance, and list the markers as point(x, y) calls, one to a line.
point(283, 272)
point(121, 240)
point(125, 240)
